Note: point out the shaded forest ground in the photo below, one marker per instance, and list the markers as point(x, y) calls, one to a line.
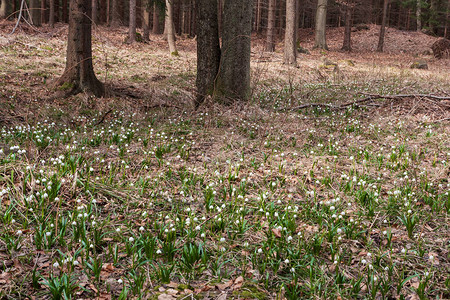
point(137, 195)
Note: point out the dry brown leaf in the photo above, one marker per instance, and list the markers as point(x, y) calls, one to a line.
point(166, 297)
point(276, 232)
point(223, 286)
point(173, 285)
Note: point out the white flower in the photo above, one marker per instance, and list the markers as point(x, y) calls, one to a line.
point(222, 239)
point(158, 251)
point(131, 239)
point(403, 250)
point(260, 250)
point(119, 281)
point(75, 262)
point(118, 229)
point(56, 265)
point(286, 261)
point(19, 232)
point(141, 228)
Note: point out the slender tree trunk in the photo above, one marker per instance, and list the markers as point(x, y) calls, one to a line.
point(43, 11)
point(35, 13)
point(233, 81)
point(155, 28)
point(347, 45)
point(115, 13)
point(94, 11)
point(132, 23)
point(321, 25)
point(220, 16)
point(433, 15)
point(419, 15)
point(108, 12)
point(270, 43)
point(169, 28)
point(146, 20)
point(446, 31)
point(290, 39)
point(4, 9)
point(65, 11)
point(208, 48)
point(258, 15)
point(51, 18)
point(79, 73)
point(383, 27)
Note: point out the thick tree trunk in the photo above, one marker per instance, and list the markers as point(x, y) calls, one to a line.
point(51, 18)
point(208, 48)
point(132, 23)
point(169, 28)
point(4, 9)
point(79, 73)
point(155, 28)
point(419, 15)
point(321, 25)
point(220, 16)
point(233, 81)
point(35, 12)
point(383, 27)
point(347, 45)
point(94, 11)
point(115, 13)
point(270, 42)
point(146, 20)
point(290, 39)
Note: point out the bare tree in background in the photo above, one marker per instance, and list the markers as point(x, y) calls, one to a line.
point(270, 42)
point(321, 25)
point(383, 26)
point(132, 23)
point(169, 28)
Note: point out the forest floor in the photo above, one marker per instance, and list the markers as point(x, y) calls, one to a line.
point(312, 190)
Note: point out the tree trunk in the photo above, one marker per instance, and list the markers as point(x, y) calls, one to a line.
point(347, 45)
point(115, 13)
point(383, 27)
point(270, 43)
point(51, 18)
point(65, 12)
point(419, 15)
point(35, 14)
point(108, 12)
point(43, 11)
point(146, 20)
point(433, 18)
point(4, 9)
point(79, 73)
point(446, 31)
point(233, 81)
point(220, 16)
point(290, 39)
point(208, 48)
point(321, 25)
point(94, 11)
point(132, 23)
point(258, 15)
point(169, 28)
point(155, 28)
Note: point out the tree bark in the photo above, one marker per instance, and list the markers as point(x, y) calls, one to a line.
point(35, 13)
point(169, 28)
point(65, 12)
point(270, 42)
point(79, 73)
point(155, 28)
point(433, 18)
point(94, 11)
point(446, 31)
point(321, 25)
point(132, 23)
point(115, 13)
point(290, 39)
point(4, 9)
point(146, 20)
point(233, 80)
point(347, 45)
point(51, 18)
point(419, 15)
point(43, 11)
point(258, 15)
point(383, 27)
point(208, 48)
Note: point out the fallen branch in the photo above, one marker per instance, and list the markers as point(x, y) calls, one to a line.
point(368, 98)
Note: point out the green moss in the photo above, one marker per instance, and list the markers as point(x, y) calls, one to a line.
point(250, 291)
point(66, 86)
point(175, 53)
